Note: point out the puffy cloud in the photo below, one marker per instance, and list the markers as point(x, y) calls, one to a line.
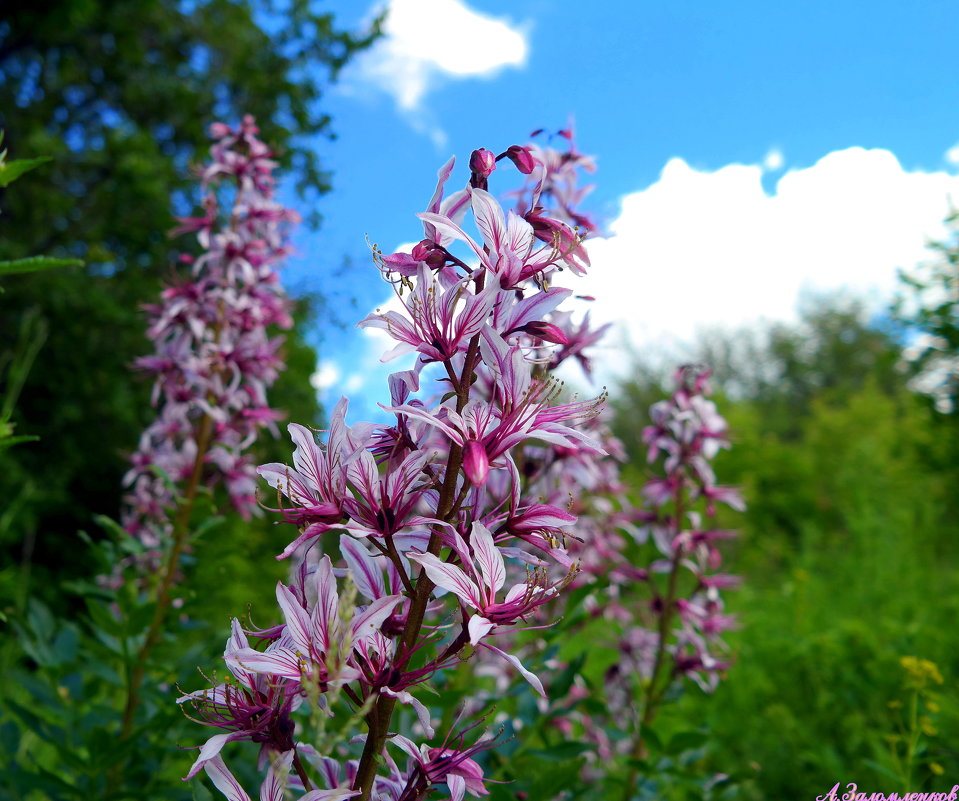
point(327, 375)
point(428, 41)
point(774, 160)
point(700, 248)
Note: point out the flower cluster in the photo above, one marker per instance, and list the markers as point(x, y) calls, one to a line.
point(687, 432)
point(653, 568)
point(214, 359)
point(419, 542)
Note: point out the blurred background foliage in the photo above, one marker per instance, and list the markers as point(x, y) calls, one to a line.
point(120, 93)
point(848, 552)
point(848, 548)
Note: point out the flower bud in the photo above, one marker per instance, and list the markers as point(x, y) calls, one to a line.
point(546, 331)
point(482, 164)
point(521, 157)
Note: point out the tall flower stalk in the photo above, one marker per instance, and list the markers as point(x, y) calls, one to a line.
point(214, 360)
point(445, 550)
point(652, 568)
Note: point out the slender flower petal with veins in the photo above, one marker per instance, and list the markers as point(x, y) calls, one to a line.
point(316, 645)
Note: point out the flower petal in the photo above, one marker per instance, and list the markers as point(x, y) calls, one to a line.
point(449, 577)
point(365, 624)
point(325, 618)
point(366, 573)
point(210, 749)
point(272, 787)
point(282, 662)
point(329, 795)
point(297, 618)
point(488, 558)
point(457, 785)
point(478, 628)
point(224, 781)
point(530, 677)
point(418, 706)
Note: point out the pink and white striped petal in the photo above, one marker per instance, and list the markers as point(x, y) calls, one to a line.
point(450, 578)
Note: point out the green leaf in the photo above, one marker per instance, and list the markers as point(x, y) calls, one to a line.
point(108, 674)
point(103, 618)
point(40, 621)
point(12, 170)
point(686, 741)
point(652, 739)
point(87, 588)
point(139, 618)
point(65, 645)
point(560, 687)
point(207, 525)
point(35, 264)
point(881, 769)
point(563, 752)
point(9, 441)
point(27, 717)
point(200, 793)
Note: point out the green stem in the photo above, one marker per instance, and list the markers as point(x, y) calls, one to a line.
point(168, 574)
point(653, 693)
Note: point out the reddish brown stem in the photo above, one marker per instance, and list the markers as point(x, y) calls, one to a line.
point(379, 718)
point(301, 772)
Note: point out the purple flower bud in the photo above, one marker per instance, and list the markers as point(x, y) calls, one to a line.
point(476, 462)
point(427, 251)
point(522, 157)
point(482, 164)
point(546, 331)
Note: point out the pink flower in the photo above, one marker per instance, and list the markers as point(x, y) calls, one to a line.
point(317, 482)
point(454, 766)
point(273, 786)
point(508, 250)
point(443, 317)
point(315, 647)
point(477, 584)
point(212, 355)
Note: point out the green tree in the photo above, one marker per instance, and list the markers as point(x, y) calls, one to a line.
point(929, 310)
point(120, 93)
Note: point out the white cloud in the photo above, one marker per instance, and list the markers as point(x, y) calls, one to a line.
point(327, 375)
point(774, 160)
point(428, 41)
point(711, 248)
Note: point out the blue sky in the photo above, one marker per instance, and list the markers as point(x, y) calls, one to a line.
point(748, 152)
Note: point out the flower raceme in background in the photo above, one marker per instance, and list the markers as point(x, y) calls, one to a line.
point(648, 592)
point(447, 531)
point(654, 569)
point(213, 362)
point(214, 359)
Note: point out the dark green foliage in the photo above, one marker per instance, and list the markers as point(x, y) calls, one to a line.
point(60, 716)
point(120, 93)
